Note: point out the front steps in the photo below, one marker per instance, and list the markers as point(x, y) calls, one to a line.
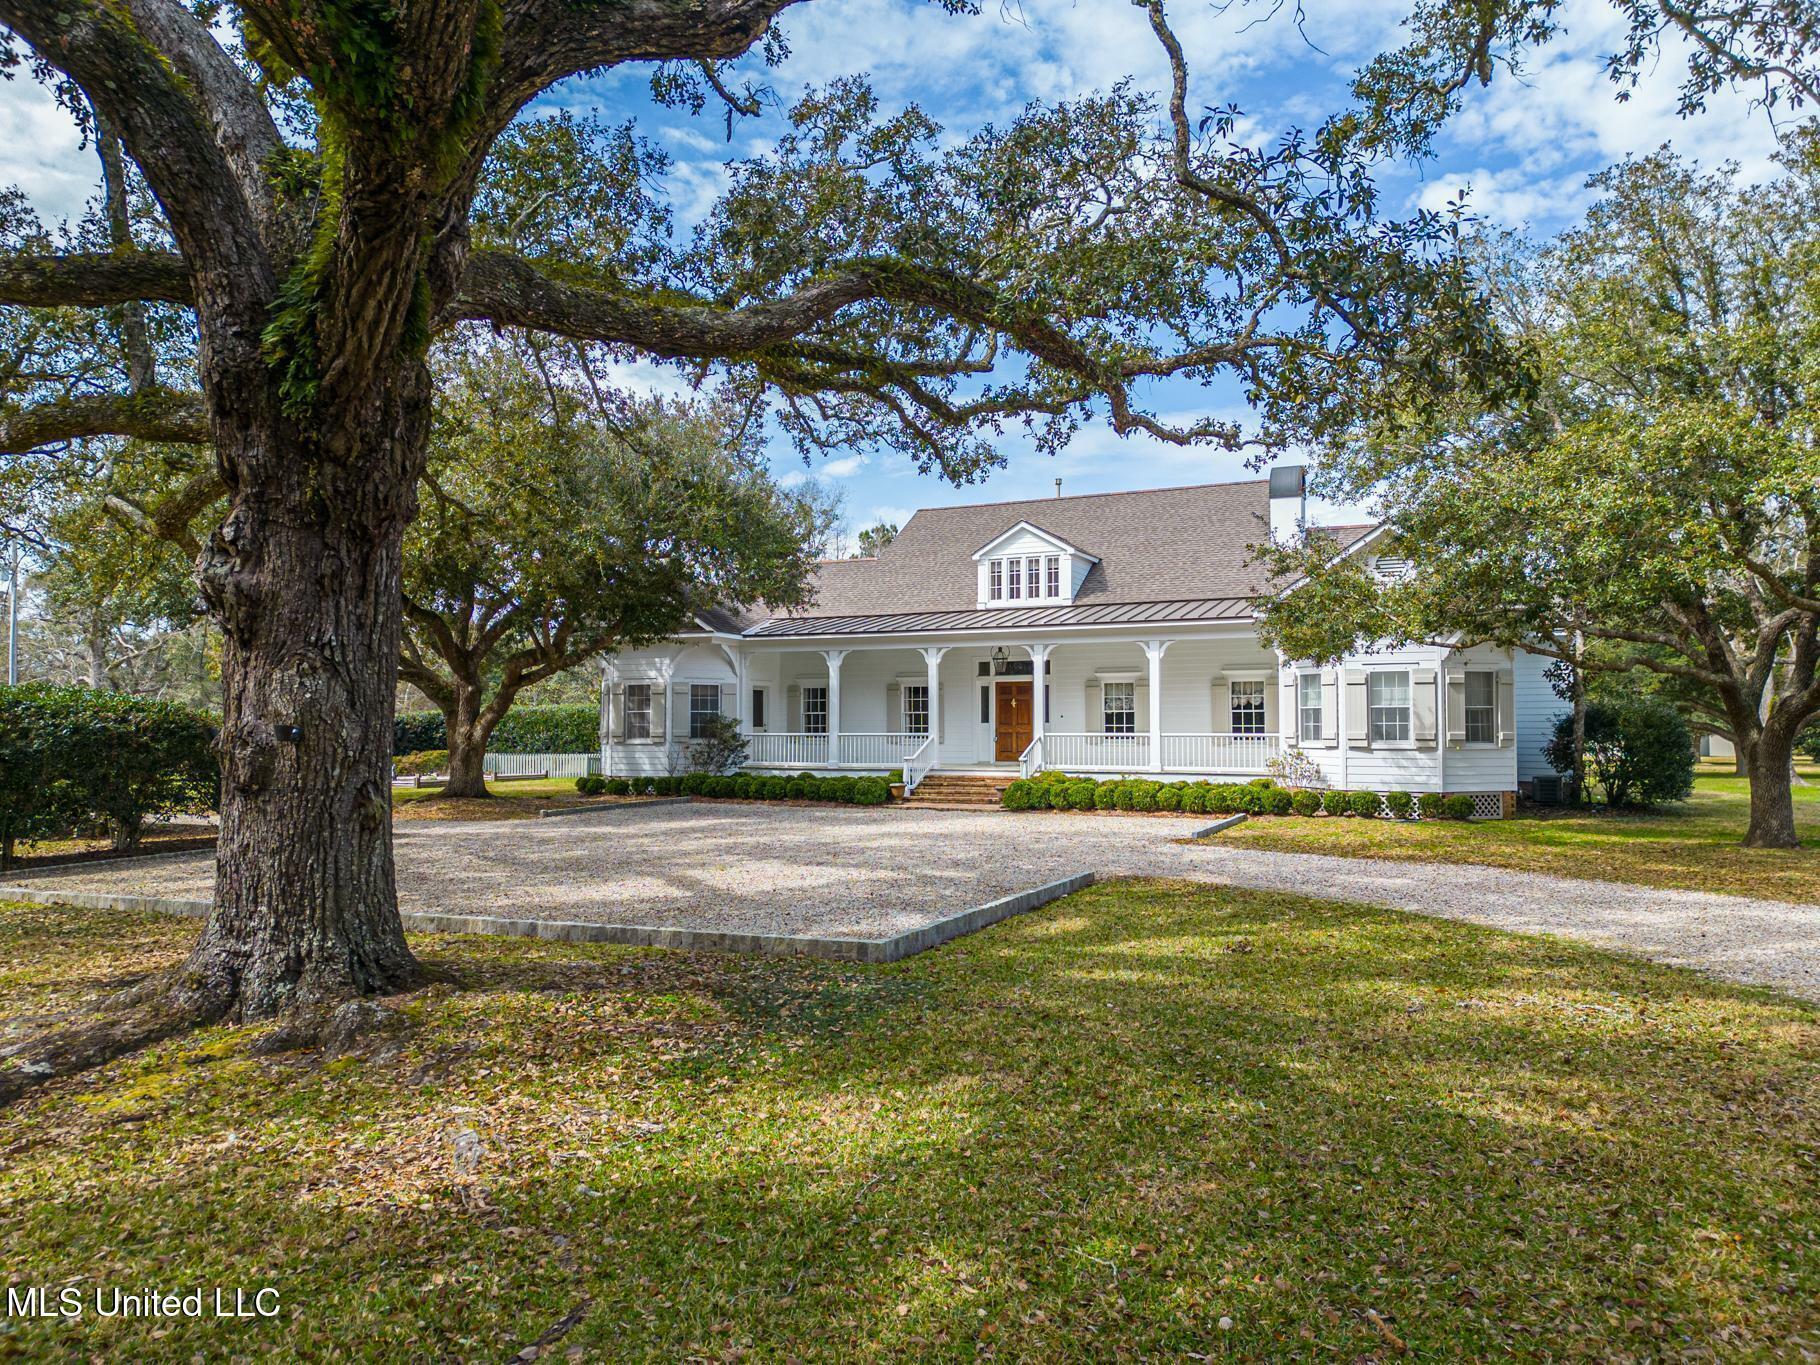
point(960, 791)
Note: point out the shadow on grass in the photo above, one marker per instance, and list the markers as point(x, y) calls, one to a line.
point(1098, 1129)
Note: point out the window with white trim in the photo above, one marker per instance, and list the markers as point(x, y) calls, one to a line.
point(638, 710)
point(1118, 708)
point(1308, 708)
point(815, 710)
point(916, 708)
point(1481, 707)
point(1387, 696)
point(1033, 576)
point(1052, 576)
point(996, 572)
point(1247, 711)
point(758, 708)
point(1015, 569)
point(704, 708)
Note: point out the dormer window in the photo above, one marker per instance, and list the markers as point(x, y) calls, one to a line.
point(1027, 564)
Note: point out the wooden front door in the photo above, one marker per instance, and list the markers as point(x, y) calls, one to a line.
point(1014, 710)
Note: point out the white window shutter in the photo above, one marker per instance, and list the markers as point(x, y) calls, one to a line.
point(660, 709)
point(1140, 706)
point(1456, 706)
point(1289, 713)
point(894, 707)
point(794, 708)
point(1096, 710)
point(1507, 724)
point(616, 714)
point(1422, 706)
point(729, 699)
point(1358, 728)
point(1222, 707)
point(1330, 709)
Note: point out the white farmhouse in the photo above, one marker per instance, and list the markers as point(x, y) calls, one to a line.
point(1112, 633)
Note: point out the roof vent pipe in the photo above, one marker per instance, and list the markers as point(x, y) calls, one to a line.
point(1058, 488)
point(1288, 503)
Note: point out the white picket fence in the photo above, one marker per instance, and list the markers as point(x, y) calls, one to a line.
point(550, 765)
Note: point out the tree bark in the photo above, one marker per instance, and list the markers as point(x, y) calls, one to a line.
point(468, 735)
point(1772, 797)
point(304, 576)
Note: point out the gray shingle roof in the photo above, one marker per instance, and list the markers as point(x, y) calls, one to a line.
point(1158, 545)
point(1009, 618)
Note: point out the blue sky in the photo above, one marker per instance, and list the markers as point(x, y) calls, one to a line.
point(1524, 148)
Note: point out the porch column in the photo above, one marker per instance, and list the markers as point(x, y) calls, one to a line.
point(742, 706)
point(834, 657)
point(932, 659)
point(1039, 663)
point(1154, 651)
point(608, 676)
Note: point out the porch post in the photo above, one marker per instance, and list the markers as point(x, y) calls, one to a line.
point(1154, 651)
point(932, 659)
point(834, 657)
point(736, 660)
point(1039, 663)
point(608, 676)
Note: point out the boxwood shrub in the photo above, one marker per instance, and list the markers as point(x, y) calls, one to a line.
point(1367, 804)
point(871, 791)
point(1336, 802)
point(1307, 803)
point(1275, 801)
point(1400, 803)
point(1456, 807)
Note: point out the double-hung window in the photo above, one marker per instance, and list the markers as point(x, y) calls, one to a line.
point(995, 572)
point(704, 709)
point(1387, 697)
point(1052, 576)
point(1481, 707)
point(1016, 568)
point(1119, 708)
point(1033, 576)
point(815, 710)
point(916, 709)
point(638, 710)
point(1308, 708)
point(1248, 706)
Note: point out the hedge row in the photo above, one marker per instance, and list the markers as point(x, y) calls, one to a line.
point(567, 729)
point(858, 791)
point(1057, 791)
point(74, 759)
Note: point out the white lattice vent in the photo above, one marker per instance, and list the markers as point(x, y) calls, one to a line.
point(1487, 806)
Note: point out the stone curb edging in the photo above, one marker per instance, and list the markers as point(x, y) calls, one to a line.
point(1219, 825)
point(869, 950)
point(613, 808)
point(85, 861)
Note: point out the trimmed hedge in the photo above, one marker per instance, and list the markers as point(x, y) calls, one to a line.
point(1261, 796)
point(565, 729)
point(73, 758)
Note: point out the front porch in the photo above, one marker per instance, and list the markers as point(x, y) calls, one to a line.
point(1103, 707)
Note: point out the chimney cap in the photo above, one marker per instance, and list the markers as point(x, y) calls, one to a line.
point(1288, 481)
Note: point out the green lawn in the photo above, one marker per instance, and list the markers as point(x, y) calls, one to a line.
point(515, 801)
point(1690, 845)
point(1152, 1120)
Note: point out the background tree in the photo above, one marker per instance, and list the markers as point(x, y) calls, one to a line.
point(875, 538)
point(1658, 490)
point(551, 532)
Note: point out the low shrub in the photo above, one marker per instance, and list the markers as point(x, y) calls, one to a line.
point(1400, 803)
point(1194, 799)
point(1017, 795)
point(591, 785)
point(1429, 805)
point(1124, 796)
point(691, 784)
point(895, 777)
point(422, 763)
point(1336, 802)
point(1262, 783)
point(617, 786)
point(1143, 796)
point(1306, 803)
point(871, 791)
point(1456, 807)
point(1275, 801)
point(1105, 796)
point(840, 789)
point(1169, 798)
point(1222, 799)
point(797, 788)
point(1368, 805)
point(774, 788)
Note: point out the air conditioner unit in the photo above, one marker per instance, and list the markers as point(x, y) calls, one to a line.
point(1550, 790)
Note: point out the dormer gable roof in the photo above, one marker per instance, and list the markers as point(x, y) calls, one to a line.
point(986, 551)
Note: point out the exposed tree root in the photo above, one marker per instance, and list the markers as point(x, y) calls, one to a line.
point(165, 1005)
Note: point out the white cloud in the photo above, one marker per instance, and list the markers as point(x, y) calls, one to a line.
point(41, 152)
point(845, 467)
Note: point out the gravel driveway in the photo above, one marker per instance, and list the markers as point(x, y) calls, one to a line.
point(851, 873)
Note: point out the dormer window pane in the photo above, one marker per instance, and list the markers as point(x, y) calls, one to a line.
point(1033, 569)
point(1017, 579)
point(1052, 568)
point(998, 579)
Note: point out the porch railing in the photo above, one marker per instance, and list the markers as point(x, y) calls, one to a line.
point(787, 751)
point(1095, 753)
point(877, 750)
point(1219, 753)
point(918, 764)
point(1030, 762)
